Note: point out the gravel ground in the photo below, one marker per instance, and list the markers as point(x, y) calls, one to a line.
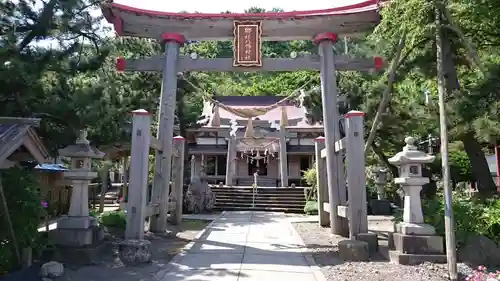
point(323, 247)
point(163, 248)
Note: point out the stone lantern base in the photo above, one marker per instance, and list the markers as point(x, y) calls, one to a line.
point(77, 240)
point(410, 249)
point(380, 207)
point(76, 232)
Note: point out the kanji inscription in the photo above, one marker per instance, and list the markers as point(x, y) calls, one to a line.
point(246, 44)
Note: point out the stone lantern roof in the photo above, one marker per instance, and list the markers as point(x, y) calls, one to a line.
point(81, 148)
point(410, 155)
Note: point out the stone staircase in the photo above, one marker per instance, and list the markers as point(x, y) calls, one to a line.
point(289, 200)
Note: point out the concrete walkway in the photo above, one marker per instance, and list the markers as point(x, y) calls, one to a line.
point(244, 246)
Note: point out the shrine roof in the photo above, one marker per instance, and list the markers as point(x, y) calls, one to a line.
point(276, 26)
point(19, 132)
point(250, 100)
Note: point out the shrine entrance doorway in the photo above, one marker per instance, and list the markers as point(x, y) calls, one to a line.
point(257, 166)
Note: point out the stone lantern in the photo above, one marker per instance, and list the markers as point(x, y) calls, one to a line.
point(78, 229)
point(380, 181)
point(414, 237)
point(380, 206)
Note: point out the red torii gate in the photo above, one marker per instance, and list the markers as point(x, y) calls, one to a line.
point(320, 26)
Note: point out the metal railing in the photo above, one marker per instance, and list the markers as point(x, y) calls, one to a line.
point(254, 188)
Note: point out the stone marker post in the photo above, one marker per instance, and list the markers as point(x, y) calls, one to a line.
point(321, 182)
point(178, 179)
point(414, 237)
point(135, 248)
point(139, 154)
point(356, 182)
point(78, 229)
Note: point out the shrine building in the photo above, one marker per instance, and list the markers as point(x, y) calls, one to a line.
point(257, 141)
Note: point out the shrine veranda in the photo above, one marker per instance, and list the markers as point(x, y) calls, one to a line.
point(247, 31)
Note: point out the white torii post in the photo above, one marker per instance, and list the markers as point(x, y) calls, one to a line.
point(136, 205)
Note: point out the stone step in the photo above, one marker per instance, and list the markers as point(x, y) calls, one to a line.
point(259, 191)
point(260, 199)
point(266, 195)
point(266, 199)
point(265, 209)
point(262, 205)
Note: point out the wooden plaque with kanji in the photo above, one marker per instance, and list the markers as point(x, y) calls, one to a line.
point(247, 43)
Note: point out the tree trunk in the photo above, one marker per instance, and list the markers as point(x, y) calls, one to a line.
point(394, 170)
point(479, 165)
point(104, 188)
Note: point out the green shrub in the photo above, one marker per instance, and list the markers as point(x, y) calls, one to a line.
point(309, 177)
point(114, 219)
point(311, 208)
point(471, 216)
point(94, 214)
point(22, 194)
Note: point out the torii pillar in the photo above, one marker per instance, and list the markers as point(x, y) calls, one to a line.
point(334, 162)
point(163, 159)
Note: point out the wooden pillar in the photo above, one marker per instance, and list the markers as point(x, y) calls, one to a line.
point(125, 178)
point(192, 162)
point(357, 211)
point(321, 182)
point(202, 166)
point(178, 179)
point(136, 206)
point(231, 154)
point(497, 165)
point(331, 124)
point(163, 160)
point(283, 157)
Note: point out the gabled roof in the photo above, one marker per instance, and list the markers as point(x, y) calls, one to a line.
point(251, 100)
point(276, 26)
point(18, 132)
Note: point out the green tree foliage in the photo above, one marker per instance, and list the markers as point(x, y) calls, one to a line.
point(21, 190)
point(472, 98)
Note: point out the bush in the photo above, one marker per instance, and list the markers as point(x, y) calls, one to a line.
point(311, 208)
point(482, 273)
point(114, 219)
point(471, 216)
point(309, 177)
point(21, 190)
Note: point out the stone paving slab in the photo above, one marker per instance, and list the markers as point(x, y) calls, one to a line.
point(244, 246)
point(261, 275)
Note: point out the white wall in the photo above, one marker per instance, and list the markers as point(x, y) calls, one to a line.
point(295, 141)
